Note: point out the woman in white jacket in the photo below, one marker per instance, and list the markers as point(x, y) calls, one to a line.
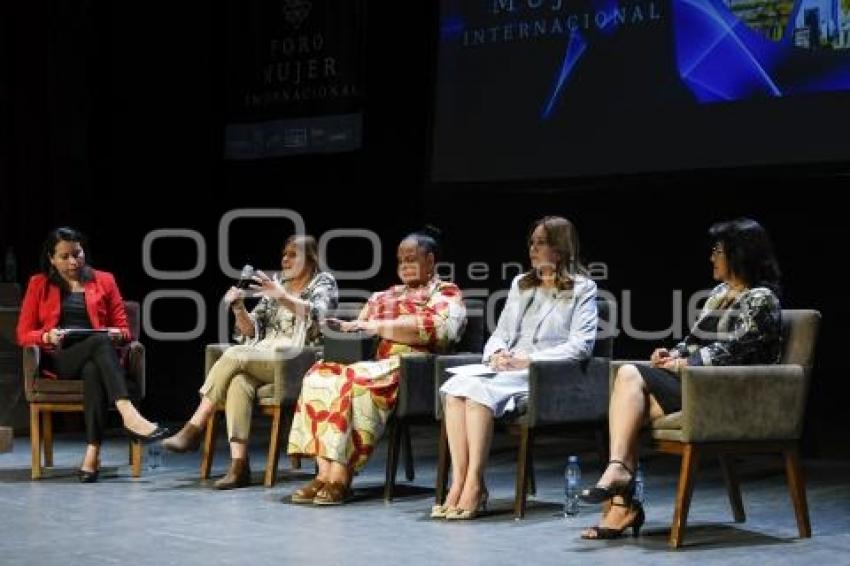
point(550, 314)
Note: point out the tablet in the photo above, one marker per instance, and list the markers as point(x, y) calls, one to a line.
point(82, 332)
point(74, 335)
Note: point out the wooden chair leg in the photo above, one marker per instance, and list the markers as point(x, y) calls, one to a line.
point(209, 446)
point(409, 471)
point(35, 441)
point(532, 481)
point(294, 459)
point(47, 437)
point(274, 449)
point(797, 489)
point(733, 487)
point(136, 458)
point(690, 458)
point(522, 472)
point(442, 465)
point(393, 447)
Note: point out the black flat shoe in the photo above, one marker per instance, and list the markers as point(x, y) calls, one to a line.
point(599, 493)
point(87, 477)
point(158, 433)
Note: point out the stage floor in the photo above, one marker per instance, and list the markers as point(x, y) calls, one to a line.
point(168, 516)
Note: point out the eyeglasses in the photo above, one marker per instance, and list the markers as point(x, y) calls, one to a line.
point(717, 250)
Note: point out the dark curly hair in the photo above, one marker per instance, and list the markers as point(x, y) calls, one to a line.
point(749, 252)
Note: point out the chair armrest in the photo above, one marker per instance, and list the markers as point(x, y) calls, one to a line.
point(31, 357)
point(136, 366)
point(760, 402)
point(415, 393)
point(564, 391)
point(290, 372)
point(212, 353)
point(441, 364)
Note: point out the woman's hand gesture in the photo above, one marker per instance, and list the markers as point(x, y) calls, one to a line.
point(265, 286)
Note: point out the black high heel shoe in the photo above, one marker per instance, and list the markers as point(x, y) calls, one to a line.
point(158, 433)
point(598, 493)
point(86, 476)
point(607, 533)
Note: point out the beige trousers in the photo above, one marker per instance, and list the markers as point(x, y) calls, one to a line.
point(233, 381)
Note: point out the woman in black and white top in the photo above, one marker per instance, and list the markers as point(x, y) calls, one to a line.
point(739, 325)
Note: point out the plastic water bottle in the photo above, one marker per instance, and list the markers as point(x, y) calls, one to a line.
point(572, 480)
point(154, 456)
point(640, 492)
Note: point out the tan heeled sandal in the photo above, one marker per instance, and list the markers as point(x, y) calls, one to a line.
point(460, 514)
point(441, 511)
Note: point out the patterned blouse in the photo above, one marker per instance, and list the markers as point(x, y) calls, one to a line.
point(437, 306)
point(735, 329)
point(277, 326)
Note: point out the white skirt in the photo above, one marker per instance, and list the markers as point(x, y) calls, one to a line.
point(499, 392)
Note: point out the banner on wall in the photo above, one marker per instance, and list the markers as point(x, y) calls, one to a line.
point(294, 77)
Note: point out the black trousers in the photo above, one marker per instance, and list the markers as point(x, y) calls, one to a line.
point(95, 361)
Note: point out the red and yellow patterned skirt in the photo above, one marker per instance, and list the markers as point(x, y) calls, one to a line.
point(343, 410)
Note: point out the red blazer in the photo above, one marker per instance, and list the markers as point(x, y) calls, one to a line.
point(43, 302)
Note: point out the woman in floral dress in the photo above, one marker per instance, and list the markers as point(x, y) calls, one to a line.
point(343, 409)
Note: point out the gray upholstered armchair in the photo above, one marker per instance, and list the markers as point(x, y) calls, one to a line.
point(559, 393)
point(272, 398)
point(734, 409)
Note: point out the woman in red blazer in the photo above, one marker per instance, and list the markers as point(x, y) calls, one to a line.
point(70, 295)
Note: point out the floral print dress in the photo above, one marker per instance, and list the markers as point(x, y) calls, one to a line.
point(343, 409)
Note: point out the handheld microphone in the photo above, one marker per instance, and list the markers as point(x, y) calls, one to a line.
point(245, 278)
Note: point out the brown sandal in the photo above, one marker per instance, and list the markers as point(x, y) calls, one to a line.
point(307, 493)
point(333, 493)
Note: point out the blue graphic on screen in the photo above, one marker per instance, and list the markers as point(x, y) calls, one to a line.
point(577, 44)
point(742, 49)
point(728, 50)
point(576, 47)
